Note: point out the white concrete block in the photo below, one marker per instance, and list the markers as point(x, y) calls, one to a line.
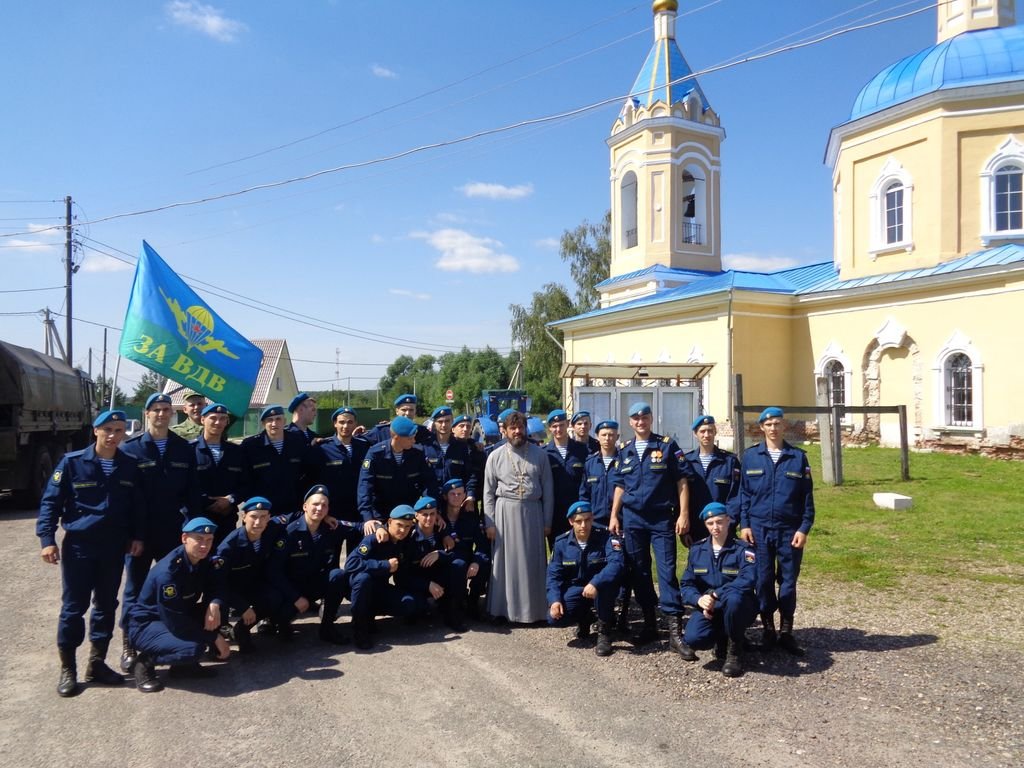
point(893, 501)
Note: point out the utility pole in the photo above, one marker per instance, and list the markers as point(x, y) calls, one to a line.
point(68, 271)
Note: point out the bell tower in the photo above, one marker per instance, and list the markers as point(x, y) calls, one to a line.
point(665, 164)
point(956, 16)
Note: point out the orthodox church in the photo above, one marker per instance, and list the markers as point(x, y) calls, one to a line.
point(917, 306)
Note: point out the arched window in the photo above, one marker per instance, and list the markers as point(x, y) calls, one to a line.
point(891, 201)
point(835, 376)
point(694, 206)
point(627, 208)
point(1008, 198)
point(1002, 193)
point(959, 381)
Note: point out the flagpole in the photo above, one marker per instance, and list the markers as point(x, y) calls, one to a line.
point(113, 383)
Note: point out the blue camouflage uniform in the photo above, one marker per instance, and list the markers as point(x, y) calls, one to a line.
point(100, 515)
point(776, 501)
point(721, 483)
point(731, 576)
point(276, 476)
point(171, 486)
point(650, 506)
point(571, 568)
point(226, 477)
point(167, 621)
point(385, 484)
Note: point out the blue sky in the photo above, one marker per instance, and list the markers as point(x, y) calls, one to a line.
point(132, 106)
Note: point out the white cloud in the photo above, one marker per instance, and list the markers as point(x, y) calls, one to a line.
point(410, 294)
point(97, 262)
point(377, 239)
point(448, 218)
point(496, 191)
point(204, 19)
point(464, 252)
point(42, 245)
point(380, 71)
point(548, 243)
point(757, 262)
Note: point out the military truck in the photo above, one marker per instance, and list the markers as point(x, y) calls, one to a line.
point(46, 409)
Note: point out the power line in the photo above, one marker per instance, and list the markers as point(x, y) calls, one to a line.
point(32, 290)
point(20, 202)
point(493, 131)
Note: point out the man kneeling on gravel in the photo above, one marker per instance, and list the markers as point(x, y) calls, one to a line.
point(719, 580)
point(584, 575)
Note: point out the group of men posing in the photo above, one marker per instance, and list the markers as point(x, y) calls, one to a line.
point(403, 503)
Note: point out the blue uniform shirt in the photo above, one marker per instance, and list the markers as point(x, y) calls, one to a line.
point(337, 467)
point(384, 483)
point(170, 485)
point(733, 571)
point(457, 461)
point(382, 433)
point(650, 482)
point(721, 483)
point(566, 475)
point(600, 564)
point(597, 487)
point(224, 478)
point(111, 511)
point(277, 476)
point(300, 563)
point(371, 556)
point(246, 570)
point(306, 434)
point(778, 496)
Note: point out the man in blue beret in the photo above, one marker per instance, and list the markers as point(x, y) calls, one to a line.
point(405, 405)
point(776, 514)
point(466, 528)
point(447, 456)
point(220, 469)
point(275, 461)
point(650, 507)
point(178, 613)
point(96, 495)
point(171, 485)
point(369, 569)
point(596, 486)
point(566, 458)
point(192, 426)
point(718, 583)
point(713, 475)
point(393, 473)
point(581, 423)
point(303, 411)
point(335, 462)
point(435, 572)
point(583, 577)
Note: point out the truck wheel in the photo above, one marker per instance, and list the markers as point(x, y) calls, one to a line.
point(42, 468)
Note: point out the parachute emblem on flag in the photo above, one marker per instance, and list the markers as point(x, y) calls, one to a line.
point(196, 327)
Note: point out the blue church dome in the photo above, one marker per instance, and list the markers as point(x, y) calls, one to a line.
point(982, 57)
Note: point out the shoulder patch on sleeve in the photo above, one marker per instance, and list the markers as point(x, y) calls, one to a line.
point(217, 562)
point(364, 549)
point(749, 555)
point(280, 544)
point(366, 464)
point(666, 439)
point(170, 591)
point(56, 476)
point(616, 544)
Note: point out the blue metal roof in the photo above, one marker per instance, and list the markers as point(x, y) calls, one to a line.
point(971, 58)
point(809, 279)
point(655, 271)
point(664, 64)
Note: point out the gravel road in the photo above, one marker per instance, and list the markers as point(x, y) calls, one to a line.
point(889, 680)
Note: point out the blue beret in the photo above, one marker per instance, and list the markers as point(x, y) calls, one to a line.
point(557, 415)
point(488, 428)
point(215, 408)
point(579, 415)
point(199, 525)
point(271, 410)
point(425, 502)
point(505, 414)
point(579, 508)
point(700, 421)
point(714, 509)
point(771, 412)
point(257, 502)
point(106, 416)
point(455, 482)
point(441, 410)
point(459, 419)
point(343, 409)
point(157, 397)
point(403, 512)
point(607, 424)
point(405, 400)
point(535, 426)
point(315, 490)
point(298, 400)
point(639, 409)
point(403, 427)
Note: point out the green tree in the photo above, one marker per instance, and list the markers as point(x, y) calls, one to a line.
point(588, 250)
point(150, 382)
point(408, 374)
point(103, 393)
point(467, 373)
point(542, 357)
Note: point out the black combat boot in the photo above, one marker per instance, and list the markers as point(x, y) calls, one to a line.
point(583, 627)
point(675, 639)
point(768, 636)
point(622, 618)
point(331, 633)
point(473, 605)
point(721, 649)
point(649, 632)
point(128, 653)
point(98, 671)
point(68, 683)
point(361, 632)
point(453, 616)
point(786, 640)
point(733, 666)
point(604, 639)
point(243, 636)
point(145, 675)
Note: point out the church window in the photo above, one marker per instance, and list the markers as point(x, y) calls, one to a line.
point(1008, 202)
point(894, 213)
point(835, 376)
point(693, 207)
point(1002, 193)
point(891, 210)
point(959, 391)
point(627, 211)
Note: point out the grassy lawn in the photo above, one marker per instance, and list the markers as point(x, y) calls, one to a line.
point(967, 522)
